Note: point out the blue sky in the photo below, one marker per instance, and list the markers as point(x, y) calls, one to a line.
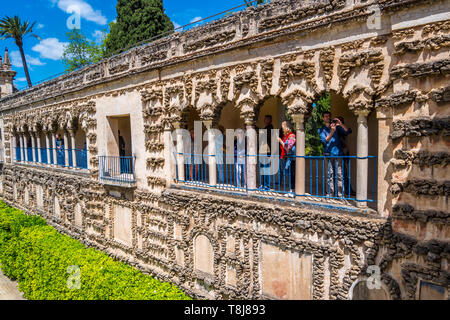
point(43, 56)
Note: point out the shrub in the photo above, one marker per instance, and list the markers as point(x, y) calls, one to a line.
point(38, 256)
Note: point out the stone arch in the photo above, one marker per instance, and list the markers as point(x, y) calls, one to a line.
point(228, 115)
point(363, 289)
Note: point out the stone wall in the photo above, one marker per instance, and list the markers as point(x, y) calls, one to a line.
point(228, 246)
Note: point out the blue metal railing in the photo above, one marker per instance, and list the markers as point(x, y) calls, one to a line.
point(117, 170)
point(81, 157)
point(324, 177)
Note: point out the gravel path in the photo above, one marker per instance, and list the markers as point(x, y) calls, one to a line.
point(9, 289)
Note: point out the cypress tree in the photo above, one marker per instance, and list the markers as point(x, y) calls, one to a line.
point(137, 20)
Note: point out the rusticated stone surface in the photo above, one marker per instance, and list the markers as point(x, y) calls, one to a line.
point(421, 69)
point(423, 158)
point(435, 43)
point(440, 95)
point(407, 212)
point(420, 127)
point(422, 187)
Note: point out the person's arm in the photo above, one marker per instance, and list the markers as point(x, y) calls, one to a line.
point(326, 138)
point(345, 130)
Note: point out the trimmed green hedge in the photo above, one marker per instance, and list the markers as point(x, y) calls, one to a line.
point(38, 256)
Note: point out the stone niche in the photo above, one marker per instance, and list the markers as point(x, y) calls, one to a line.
point(203, 254)
point(285, 274)
point(361, 290)
point(1, 187)
point(40, 197)
point(122, 224)
point(78, 215)
point(431, 291)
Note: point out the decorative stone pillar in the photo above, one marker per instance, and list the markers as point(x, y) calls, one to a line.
point(38, 140)
point(212, 163)
point(169, 167)
point(252, 156)
point(25, 148)
point(300, 153)
point(72, 143)
point(55, 160)
point(48, 147)
point(362, 152)
point(33, 147)
point(66, 149)
point(180, 153)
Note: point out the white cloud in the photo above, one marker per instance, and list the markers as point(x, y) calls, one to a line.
point(99, 36)
point(40, 26)
point(83, 8)
point(50, 48)
point(16, 60)
point(195, 19)
point(23, 79)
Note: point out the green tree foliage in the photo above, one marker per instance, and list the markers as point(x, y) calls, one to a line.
point(51, 266)
point(255, 3)
point(313, 145)
point(80, 51)
point(137, 21)
point(14, 28)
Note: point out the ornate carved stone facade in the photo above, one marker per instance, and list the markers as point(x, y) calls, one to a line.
point(219, 245)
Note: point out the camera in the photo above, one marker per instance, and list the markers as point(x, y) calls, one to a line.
point(335, 121)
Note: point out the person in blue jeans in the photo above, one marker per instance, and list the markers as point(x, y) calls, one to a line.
point(330, 136)
point(60, 155)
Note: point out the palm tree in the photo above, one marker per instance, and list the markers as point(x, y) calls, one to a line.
point(14, 28)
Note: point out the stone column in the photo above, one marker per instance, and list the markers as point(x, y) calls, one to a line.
point(180, 154)
point(169, 167)
point(48, 147)
point(252, 156)
point(300, 153)
point(211, 154)
point(362, 151)
point(33, 146)
point(72, 143)
point(38, 140)
point(55, 160)
point(66, 149)
point(25, 148)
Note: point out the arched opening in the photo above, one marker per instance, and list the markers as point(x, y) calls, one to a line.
point(363, 289)
point(60, 147)
point(191, 165)
point(230, 152)
point(43, 147)
point(331, 160)
point(276, 160)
